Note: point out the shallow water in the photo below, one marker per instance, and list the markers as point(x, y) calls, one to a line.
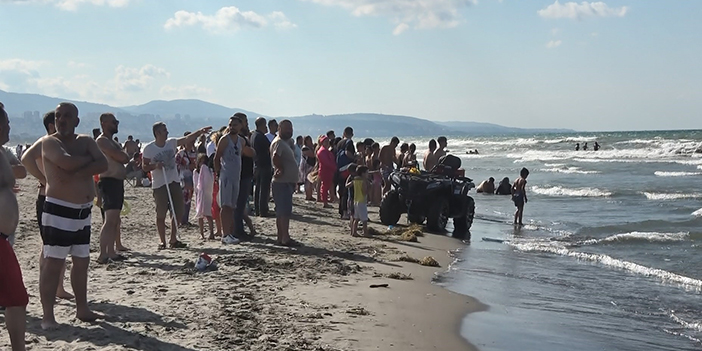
point(610, 254)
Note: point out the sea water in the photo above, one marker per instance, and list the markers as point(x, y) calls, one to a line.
point(610, 254)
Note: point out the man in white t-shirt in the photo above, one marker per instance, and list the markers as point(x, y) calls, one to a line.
point(159, 158)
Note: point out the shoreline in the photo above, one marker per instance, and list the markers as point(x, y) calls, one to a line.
point(261, 297)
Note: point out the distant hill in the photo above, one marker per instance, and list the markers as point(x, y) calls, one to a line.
point(197, 109)
point(479, 128)
point(189, 114)
point(20, 102)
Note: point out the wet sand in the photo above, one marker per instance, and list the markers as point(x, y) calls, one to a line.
point(261, 297)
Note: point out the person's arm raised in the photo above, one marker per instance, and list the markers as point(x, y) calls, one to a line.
point(53, 151)
point(190, 138)
point(112, 151)
point(29, 160)
point(99, 161)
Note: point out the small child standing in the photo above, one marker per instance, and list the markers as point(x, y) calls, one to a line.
point(519, 195)
point(204, 187)
point(349, 193)
point(360, 186)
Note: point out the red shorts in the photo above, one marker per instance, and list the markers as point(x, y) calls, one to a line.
point(12, 290)
point(215, 204)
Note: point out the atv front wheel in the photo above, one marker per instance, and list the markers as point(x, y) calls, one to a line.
point(438, 215)
point(463, 224)
point(390, 208)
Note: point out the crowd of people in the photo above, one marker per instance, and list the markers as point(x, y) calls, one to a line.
point(517, 191)
point(227, 175)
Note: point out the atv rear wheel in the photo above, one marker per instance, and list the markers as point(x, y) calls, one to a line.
point(438, 215)
point(390, 208)
point(463, 224)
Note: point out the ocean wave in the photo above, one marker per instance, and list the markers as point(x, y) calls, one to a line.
point(569, 170)
point(697, 213)
point(638, 237)
point(676, 174)
point(561, 191)
point(609, 261)
point(697, 326)
point(673, 196)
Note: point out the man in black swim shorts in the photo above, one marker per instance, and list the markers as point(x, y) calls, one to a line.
point(111, 189)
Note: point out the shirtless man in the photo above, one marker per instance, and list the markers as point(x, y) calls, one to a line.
point(13, 295)
point(111, 188)
point(429, 158)
point(70, 160)
point(130, 146)
point(440, 150)
point(32, 161)
point(388, 160)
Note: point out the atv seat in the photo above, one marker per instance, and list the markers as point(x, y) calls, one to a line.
point(449, 165)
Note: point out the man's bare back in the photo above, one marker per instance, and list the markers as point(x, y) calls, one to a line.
point(387, 156)
point(130, 147)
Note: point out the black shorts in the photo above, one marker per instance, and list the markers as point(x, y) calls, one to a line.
point(40, 209)
point(112, 193)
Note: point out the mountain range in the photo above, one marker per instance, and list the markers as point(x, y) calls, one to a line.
point(25, 111)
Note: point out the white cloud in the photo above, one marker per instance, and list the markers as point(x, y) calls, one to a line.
point(72, 5)
point(24, 76)
point(400, 28)
point(419, 14)
point(137, 79)
point(553, 44)
point(185, 91)
point(228, 19)
point(573, 10)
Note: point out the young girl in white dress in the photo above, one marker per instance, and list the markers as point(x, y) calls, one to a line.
point(203, 177)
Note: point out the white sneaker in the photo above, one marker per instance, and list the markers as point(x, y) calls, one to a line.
point(230, 239)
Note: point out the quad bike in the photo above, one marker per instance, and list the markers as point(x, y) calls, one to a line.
point(434, 196)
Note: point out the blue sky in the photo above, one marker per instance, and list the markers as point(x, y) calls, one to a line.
point(613, 65)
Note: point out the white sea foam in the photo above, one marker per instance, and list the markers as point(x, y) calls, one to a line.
point(561, 191)
point(640, 236)
point(676, 174)
point(697, 213)
point(673, 196)
point(688, 325)
point(611, 262)
point(568, 170)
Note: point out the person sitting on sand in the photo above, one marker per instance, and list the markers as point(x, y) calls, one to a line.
point(360, 187)
point(159, 158)
point(504, 188)
point(429, 158)
point(70, 160)
point(486, 186)
point(519, 195)
point(32, 161)
point(13, 294)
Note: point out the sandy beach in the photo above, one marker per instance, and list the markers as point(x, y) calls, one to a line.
point(261, 297)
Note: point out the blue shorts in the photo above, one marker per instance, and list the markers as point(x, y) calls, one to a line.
point(283, 198)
